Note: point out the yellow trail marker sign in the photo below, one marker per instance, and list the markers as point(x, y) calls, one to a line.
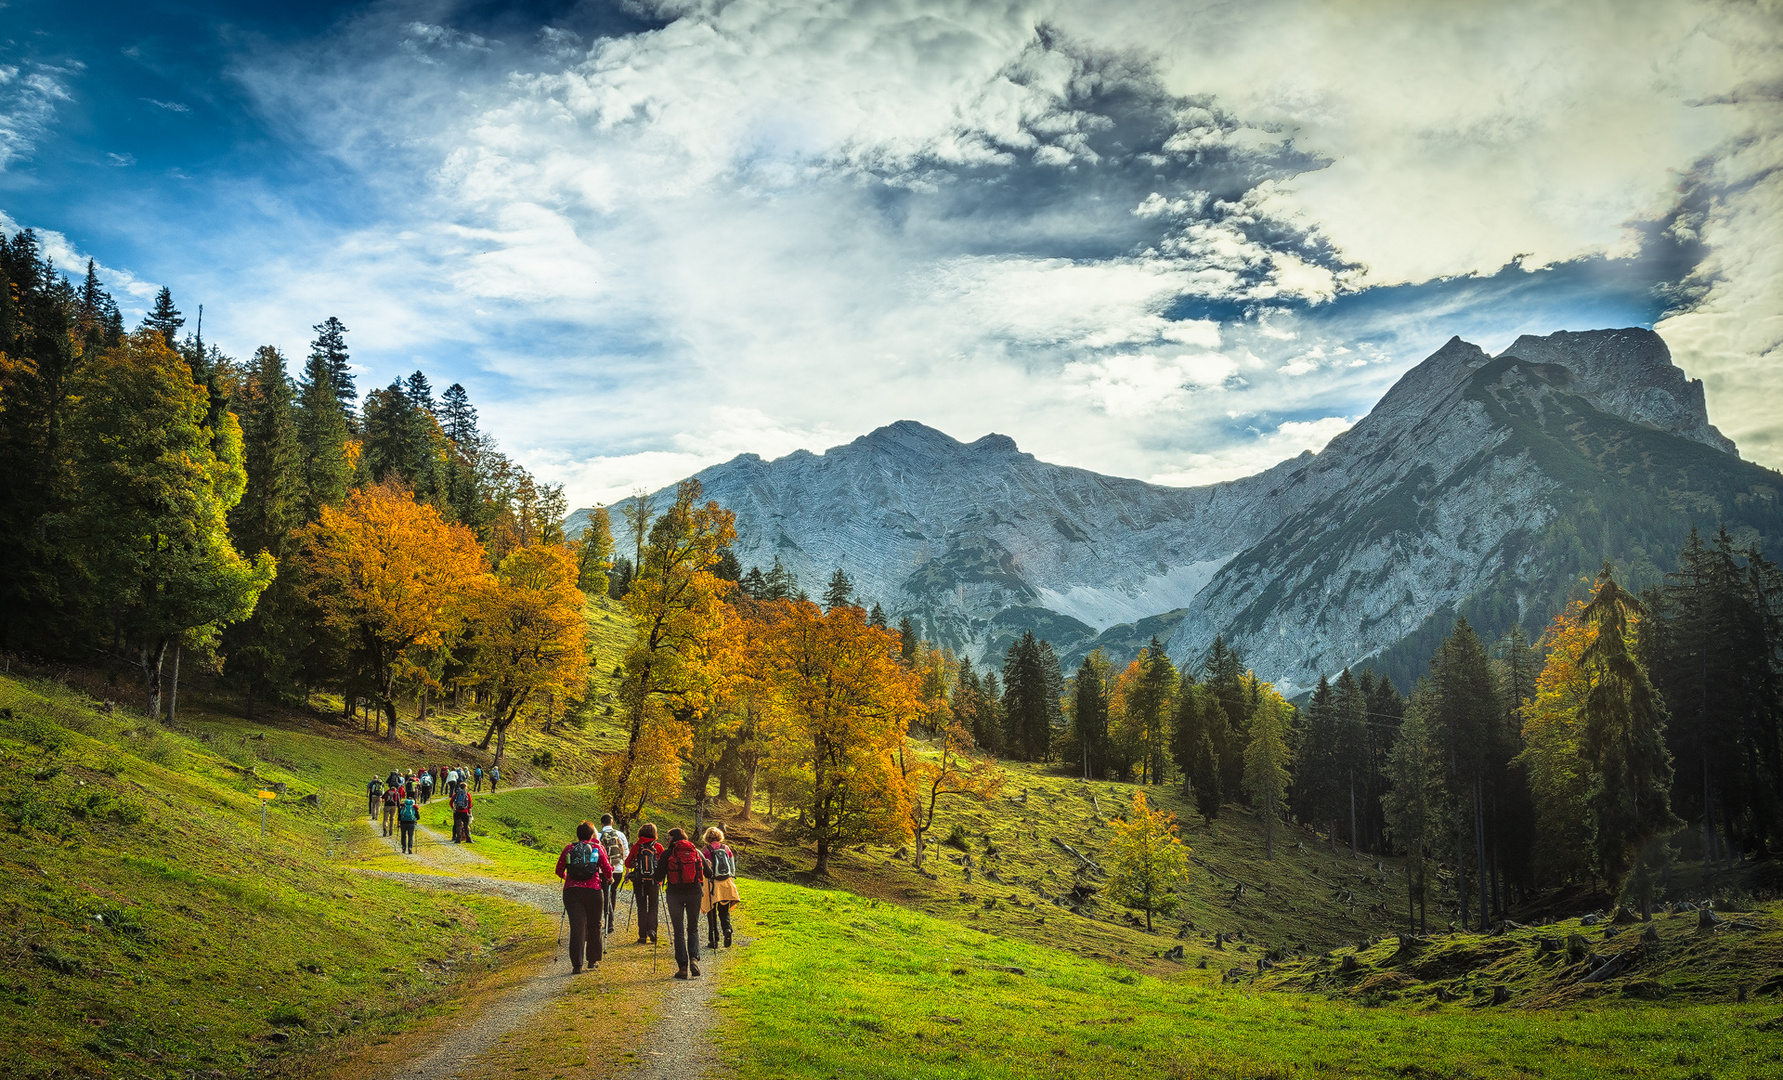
point(265, 797)
point(265, 794)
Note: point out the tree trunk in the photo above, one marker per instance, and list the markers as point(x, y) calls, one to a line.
point(1353, 851)
point(1479, 843)
point(749, 789)
point(390, 715)
point(501, 743)
point(173, 695)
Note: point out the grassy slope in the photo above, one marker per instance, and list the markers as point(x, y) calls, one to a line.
point(838, 985)
point(150, 931)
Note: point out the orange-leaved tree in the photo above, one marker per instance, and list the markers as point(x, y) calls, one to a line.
point(393, 578)
point(1559, 781)
point(676, 605)
point(958, 771)
point(846, 701)
point(528, 635)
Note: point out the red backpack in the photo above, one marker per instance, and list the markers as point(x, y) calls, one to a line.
point(682, 864)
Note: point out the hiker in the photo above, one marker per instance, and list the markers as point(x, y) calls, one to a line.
point(394, 779)
point(721, 887)
point(614, 843)
point(494, 778)
point(408, 815)
point(683, 869)
point(586, 873)
point(479, 775)
point(390, 803)
point(426, 783)
point(641, 864)
point(374, 796)
point(461, 814)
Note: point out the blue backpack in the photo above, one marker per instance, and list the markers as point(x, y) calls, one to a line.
point(408, 815)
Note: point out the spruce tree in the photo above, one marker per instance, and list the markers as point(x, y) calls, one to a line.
point(840, 591)
point(779, 583)
point(1468, 714)
point(1412, 801)
point(907, 639)
point(165, 319)
point(1266, 761)
point(1351, 759)
point(876, 618)
point(1089, 715)
point(322, 431)
point(1624, 744)
point(753, 583)
point(329, 349)
point(1224, 677)
point(1316, 780)
point(265, 653)
point(420, 392)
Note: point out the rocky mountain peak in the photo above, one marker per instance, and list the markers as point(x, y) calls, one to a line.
point(1628, 373)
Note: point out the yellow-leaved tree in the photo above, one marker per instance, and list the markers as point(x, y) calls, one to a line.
point(1148, 861)
point(846, 700)
point(528, 635)
point(395, 580)
point(959, 770)
point(676, 605)
point(1559, 782)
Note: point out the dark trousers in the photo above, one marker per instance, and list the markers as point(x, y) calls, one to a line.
point(461, 826)
point(644, 894)
point(684, 922)
point(478, 784)
point(612, 898)
point(582, 910)
point(408, 837)
point(720, 915)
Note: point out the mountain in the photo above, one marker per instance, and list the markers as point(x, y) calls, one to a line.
point(1479, 485)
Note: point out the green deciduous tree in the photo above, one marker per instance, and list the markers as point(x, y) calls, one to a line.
point(1147, 862)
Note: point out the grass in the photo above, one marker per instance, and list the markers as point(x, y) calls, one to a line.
point(843, 986)
point(151, 931)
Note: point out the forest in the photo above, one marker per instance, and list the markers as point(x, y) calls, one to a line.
point(170, 507)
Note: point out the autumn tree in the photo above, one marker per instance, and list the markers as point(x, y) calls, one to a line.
point(149, 525)
point(1624, 742)
point(594, 553)
point(528, 635)
point(676, 609)
point(1552, 727)
point(845, 703)
point(1147, 861)
point(959, 771)
point(1266, 762)
point(392, 577)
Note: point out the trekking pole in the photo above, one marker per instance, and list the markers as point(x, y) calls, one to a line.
point(560, 915)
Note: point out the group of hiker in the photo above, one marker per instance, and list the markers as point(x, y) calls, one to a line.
point(400, 797)
point(693, 880)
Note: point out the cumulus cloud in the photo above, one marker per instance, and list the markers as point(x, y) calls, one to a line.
point(1136, 236)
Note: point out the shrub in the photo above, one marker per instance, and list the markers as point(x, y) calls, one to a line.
point(542, 759)
point(956, 838)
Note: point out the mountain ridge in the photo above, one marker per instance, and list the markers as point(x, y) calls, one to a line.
point(1443, 497)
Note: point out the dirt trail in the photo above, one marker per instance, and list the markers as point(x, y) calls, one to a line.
point(517, 1026)
point(432, 848)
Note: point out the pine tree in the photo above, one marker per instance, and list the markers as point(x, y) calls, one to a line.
point(329, 350)
point(876, 618)
point(1266, 761)
point(1351, 762)
point(323, 432)
point(1224, 677)
point(1468, 713)
point(1316, 780)
point(164, 318)
point(1624, 742)
point(907, 639)
point(779, 584)
point(594, 553)
point(1029, 701)
point(1089, 714)
point(266, 652)
point(1412, 800)
point(420, 392)
point(753, 583)
point(839, 592)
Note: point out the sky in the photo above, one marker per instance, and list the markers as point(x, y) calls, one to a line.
point(1164, 239)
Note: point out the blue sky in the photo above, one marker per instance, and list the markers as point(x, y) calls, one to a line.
point(1176, 241)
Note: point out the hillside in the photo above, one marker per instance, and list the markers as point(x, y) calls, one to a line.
point(1478, 485)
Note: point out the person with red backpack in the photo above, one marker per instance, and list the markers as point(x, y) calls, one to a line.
point(461, 813)
point(585, 871)
point(643, 864)
point(683, 871)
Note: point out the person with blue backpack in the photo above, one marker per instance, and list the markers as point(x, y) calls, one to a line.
point(408, 815)
point(721, 887)
point(479, 779)
point(585, 871)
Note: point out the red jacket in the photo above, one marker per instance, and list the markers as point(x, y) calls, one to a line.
point(600, 880)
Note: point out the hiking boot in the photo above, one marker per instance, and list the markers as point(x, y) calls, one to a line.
point(682, 974)
point(711, 941)
point(693, 967)
point(727, 939)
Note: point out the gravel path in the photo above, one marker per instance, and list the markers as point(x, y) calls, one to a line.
point(432, 848)
point(685, 1007)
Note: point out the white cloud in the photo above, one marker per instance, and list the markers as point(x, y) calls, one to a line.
point(29, 95)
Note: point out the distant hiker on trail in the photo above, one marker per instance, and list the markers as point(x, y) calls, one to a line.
point(461, 814)
point(374, 797)
point(407, 816)
point(721, 887)
point(494, 777)
point(426, 783)
point(393, 780)
point(683, 869)
point(614, 843)
point(390, 802)
point(479, 774)
point(586, 873)
point(642, 864)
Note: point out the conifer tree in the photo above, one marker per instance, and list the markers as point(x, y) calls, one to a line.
point(265, 653)
point(876, 618)
point(1468, 714)
point(322, 432)
point(752, 583)
point(839, 592)
point(1316, 780)
point(1029, 700)
point(1224, 677)
point(420, 392)
point(164, 318)
point(1266, 761)
point(594, 553)
point(1624, 740)
point(907, 639)
point(1351, 758)
point(1089, 714)
point(329, 351)
point(779, 583)
point(1412, 800)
